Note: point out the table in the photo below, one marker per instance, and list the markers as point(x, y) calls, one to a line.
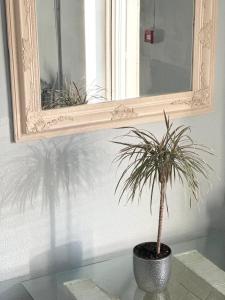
point(115, 275)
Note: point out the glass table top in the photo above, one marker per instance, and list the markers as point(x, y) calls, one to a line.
point(115, 275)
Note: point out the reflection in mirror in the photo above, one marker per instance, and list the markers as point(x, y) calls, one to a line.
point(153, 47)
point(71, 37)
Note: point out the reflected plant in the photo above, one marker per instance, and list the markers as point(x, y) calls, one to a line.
point(71, 94)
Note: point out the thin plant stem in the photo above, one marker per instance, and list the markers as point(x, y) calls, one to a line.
point(161, 214)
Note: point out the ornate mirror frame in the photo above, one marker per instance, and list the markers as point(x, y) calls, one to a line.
point(31, 122)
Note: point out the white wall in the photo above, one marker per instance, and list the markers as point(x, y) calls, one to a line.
point(91, 224)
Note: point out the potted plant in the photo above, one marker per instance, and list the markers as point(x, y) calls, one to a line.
point(153, 161)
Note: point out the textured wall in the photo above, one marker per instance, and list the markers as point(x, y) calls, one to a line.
point(74, 214)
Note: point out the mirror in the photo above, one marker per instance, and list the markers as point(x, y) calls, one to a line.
point(128, 60)
point(152, 49)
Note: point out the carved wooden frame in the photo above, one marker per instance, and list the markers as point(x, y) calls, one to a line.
point(31, 122)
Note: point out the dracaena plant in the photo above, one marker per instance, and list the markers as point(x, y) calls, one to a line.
point(152, 161)
point(70, 94)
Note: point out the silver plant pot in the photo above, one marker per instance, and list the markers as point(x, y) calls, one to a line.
point(152, 275)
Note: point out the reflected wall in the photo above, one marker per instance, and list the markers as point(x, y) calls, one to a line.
point(166, 64)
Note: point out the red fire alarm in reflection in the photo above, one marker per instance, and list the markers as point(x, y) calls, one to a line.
point(149, 36)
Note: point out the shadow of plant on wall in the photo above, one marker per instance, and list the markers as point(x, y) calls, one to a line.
point(53, 170)
point(40, 170)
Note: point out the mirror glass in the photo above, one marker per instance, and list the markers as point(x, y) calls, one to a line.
point(153, 45)
point(71, 37)
point(151, 53)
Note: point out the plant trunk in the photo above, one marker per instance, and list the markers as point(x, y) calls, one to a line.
point(161, 211)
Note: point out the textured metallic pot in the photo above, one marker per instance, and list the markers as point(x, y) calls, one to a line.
point(152, 275)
